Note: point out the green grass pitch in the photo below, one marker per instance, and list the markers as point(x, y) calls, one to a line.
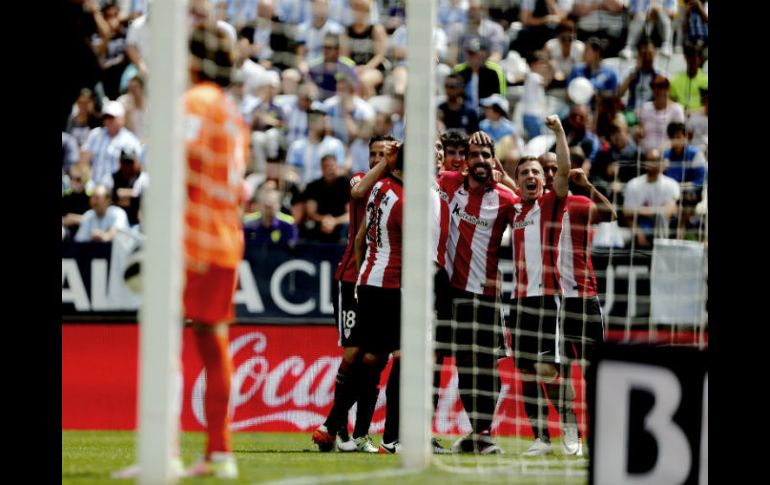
point(88, 458)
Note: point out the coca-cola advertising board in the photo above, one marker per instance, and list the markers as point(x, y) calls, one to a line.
point(283, 380)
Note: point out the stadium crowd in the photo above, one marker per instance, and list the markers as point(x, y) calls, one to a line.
point(316, 79)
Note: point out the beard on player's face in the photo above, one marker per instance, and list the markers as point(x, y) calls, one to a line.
point(481, 171)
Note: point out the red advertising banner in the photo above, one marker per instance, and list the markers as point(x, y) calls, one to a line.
point(283, 381)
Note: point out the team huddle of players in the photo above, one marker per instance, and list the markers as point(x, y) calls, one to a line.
point(474, 202)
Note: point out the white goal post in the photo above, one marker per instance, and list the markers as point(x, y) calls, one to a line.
point(161, 313)
point(417, 272)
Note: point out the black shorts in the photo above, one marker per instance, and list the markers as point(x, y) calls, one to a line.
point(346, 314)
point(442, 305)
point(379, 311)
point(532, 323)
point(475, 322)
point(582, 327)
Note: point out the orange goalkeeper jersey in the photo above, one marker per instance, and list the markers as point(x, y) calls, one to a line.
point(217, 143)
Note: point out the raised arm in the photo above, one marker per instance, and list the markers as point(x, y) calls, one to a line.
point(561, 181)
point(603, 211)
point(366, 183)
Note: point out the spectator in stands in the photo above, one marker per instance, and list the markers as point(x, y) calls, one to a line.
point(102, 149)
point(397, 55)
point(638, 80)
point(295, 111)
point(477, 26)
point(102, 220)
point(133, 103)
point(294, 11)
point(128, 184)
point(347, 113)
point(270, 39)
point(395, 16)
point(654, 16)
point(76, 200)
point(539, 19)
point(238, 13)
point(84, 117)
point(453, 113)
point(311, 34)
point(602, 77)
point(249, 72)
point(686, 85)
point(695, 24)
point(616, 164)
point(687, 165)
point(698, 124)
point(79, 21)
point(304, 155)
point(270, 226)
point(366, 44)
point(342, 12)
point(397, 116)
point(323, 71)
point(496, 123)
point(358, 150)
point(533, 101)
point(267, 124)
point(482, 77)
point(577, 159)
point(578, 128)
point(565, 51)
point(111, 50)
point(326, 205)
point(137, 49)
point(246, 102)
point(70, 152)
point(383, 123)
point(650, 200)
point(657, 114)
point(452, 12)
point(603, 19)
point(279, 177)
point(609, 111)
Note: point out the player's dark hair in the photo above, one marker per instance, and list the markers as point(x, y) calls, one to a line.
point(377, 138)
point(212, 53)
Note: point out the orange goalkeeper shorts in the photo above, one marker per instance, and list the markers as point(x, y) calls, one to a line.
point(208, 294)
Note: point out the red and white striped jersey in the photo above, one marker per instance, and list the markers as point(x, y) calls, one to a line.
point(477, 220)
point(536, 229)
point(346, 269)
point(382, 262)
point(440, 227)
point(576, 271)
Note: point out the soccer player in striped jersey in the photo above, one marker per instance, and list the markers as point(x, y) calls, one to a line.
point(442, 302)
point(534, 307)
point(580, 318)
point(378, 254)
point(454, 145)
point(346, 391)
point(479, 210)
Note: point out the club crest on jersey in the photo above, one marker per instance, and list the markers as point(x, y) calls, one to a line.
point(476, 221)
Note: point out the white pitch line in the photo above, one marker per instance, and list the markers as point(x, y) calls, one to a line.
point(341, 478)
